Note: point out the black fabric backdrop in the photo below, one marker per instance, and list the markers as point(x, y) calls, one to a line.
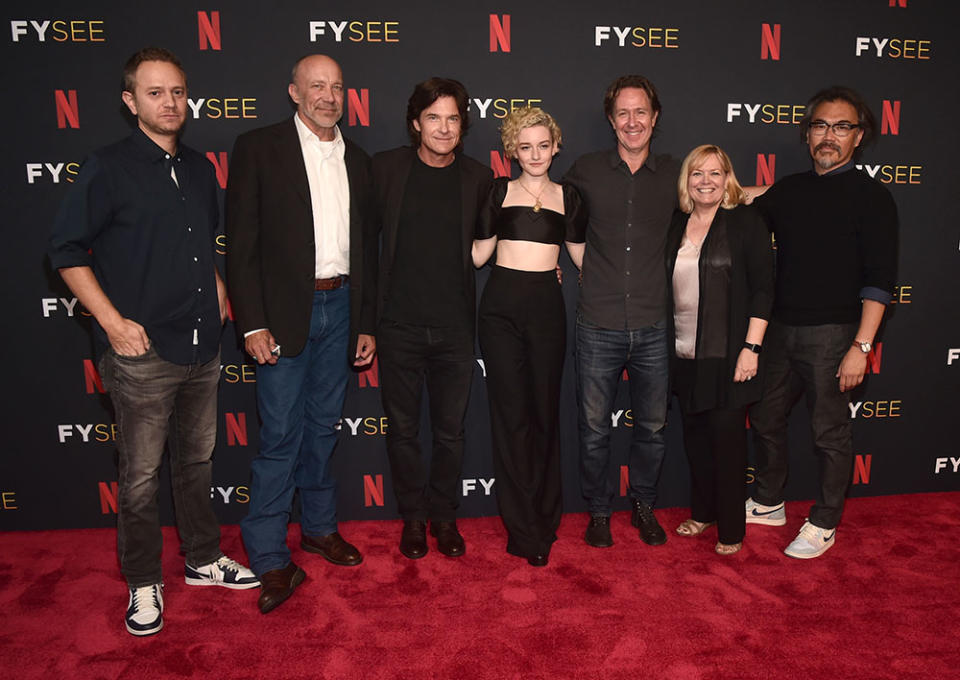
point(735, 74)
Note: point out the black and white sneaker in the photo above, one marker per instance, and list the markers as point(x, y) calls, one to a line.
point(223, 572)
point(145, 610)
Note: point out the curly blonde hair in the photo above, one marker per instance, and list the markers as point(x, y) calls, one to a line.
point(521, 119)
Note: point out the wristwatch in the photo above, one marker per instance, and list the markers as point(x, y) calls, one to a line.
point(752, 347)
point(864, 345)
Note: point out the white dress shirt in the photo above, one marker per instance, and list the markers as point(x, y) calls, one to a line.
point(329, 199)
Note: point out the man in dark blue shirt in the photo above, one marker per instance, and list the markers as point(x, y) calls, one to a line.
point(134, 242)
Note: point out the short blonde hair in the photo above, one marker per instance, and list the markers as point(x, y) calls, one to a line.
point(733, 193)
point(521, 119)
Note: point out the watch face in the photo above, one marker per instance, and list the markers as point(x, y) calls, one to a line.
point(864, 347)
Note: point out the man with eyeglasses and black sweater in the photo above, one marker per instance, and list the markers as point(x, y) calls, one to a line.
point(836, 235)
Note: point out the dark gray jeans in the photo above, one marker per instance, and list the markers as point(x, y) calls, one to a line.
point(157, 402)
point(803, 360)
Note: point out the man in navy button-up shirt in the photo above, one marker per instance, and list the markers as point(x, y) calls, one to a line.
point(134, 242)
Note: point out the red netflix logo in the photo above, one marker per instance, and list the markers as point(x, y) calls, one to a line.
point(108, 497)
point(370, 376)
point(874, 357)
point(358, 107)
point(766, 169)
point(219, 160)
point(91, 377)
point(500, 33)
point(208, 27)
point(770, 42)
point(236, 424)
point(861, 468)
point(68, 111)
point(499, 164)
point(373, 490)
point(890, 117)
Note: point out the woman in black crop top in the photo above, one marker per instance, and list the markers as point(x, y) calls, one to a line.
point(522, 329)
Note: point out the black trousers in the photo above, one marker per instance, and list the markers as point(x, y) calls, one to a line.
point(803, 361)
point(522, 330)
point(715, 442)
point(441, 358)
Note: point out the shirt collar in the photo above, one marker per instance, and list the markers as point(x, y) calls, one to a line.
point(308, 136)
point(149, 148)
point(849, 165)
point(650, 163)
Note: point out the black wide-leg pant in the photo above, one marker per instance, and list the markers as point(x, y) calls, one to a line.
point(522, 331)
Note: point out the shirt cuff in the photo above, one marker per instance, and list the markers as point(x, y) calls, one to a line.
point(875, 294)
point(249, 333)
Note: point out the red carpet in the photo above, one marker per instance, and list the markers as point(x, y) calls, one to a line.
point(883, 603)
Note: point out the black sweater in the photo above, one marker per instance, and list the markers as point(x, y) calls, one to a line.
point(836, 238)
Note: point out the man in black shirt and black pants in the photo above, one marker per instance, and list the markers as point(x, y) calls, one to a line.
point(134, 242)
point(428, 197)
point(836, 232)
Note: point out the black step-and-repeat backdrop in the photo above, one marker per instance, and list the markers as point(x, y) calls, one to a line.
point(733, 74)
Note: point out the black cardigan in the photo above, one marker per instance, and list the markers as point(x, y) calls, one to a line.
point(750, 286)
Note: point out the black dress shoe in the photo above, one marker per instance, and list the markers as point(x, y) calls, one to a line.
point(413, 539)
point(598, 532)
point(334, 548)
point(277, 585)
point(449, 540)
point(643, 518)
point(538, 560)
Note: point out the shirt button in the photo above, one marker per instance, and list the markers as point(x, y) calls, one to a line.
point(198, 319)
point(628, 272)
point(628, 250)
point(189, 229)
point(200, 290)
point(195, 259)
point(166, 156)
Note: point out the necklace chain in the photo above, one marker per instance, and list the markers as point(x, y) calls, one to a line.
point(537, 205)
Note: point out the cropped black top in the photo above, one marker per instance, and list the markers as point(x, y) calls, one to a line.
point(522, 223)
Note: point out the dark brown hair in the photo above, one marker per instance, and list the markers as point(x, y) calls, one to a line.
point(429, 91)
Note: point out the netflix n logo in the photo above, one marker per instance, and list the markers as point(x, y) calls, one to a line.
point(236, 426)
point(770, 42)
point(500, 33)
point(68, 111)
point(890, 117)
point(358, 107)
point(500, 165)
point(208, 27)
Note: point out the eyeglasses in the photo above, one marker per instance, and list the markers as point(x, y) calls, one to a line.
point(840, 129)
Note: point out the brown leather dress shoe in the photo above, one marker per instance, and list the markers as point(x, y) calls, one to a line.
point(334, 548)
point(449, 540)
point(277, 585)
point(413, 539)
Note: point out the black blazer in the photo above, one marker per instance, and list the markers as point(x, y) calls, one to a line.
point(749, 293)
point(390, 171)
point(271, 254)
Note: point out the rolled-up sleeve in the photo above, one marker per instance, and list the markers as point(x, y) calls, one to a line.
point(83, 214)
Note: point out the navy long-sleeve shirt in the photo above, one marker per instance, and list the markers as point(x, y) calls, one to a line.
point(149, 240)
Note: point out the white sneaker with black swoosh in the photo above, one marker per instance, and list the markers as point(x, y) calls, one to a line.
point(812, 541)
point(771, 515)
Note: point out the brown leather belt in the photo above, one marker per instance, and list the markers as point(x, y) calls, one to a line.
point(330, 284)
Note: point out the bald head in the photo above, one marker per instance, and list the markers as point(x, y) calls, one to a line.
point(316, 87)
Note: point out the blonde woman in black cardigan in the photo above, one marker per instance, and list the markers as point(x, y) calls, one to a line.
point(720, 288)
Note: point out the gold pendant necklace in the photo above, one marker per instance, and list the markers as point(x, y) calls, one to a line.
point(536, 197)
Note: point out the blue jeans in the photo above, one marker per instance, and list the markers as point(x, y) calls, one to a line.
point(602, 355)
point(157, 403)
point(300, 399)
